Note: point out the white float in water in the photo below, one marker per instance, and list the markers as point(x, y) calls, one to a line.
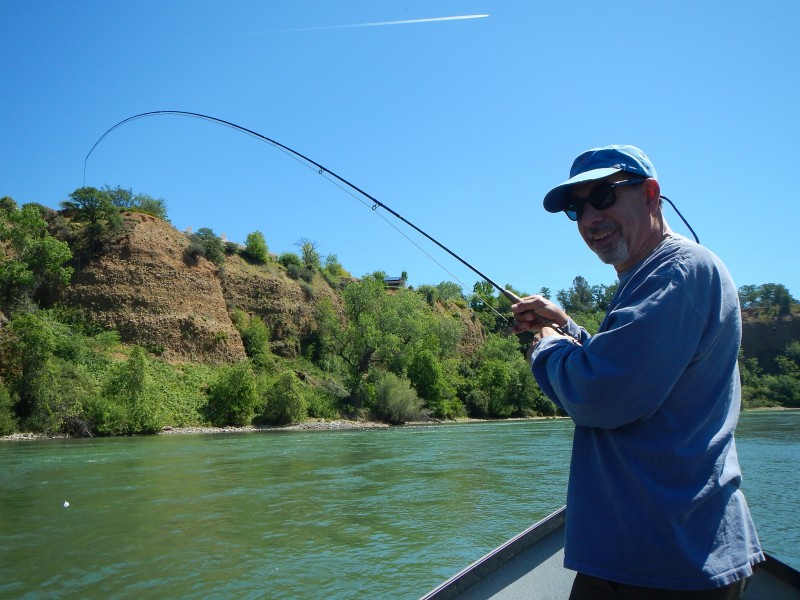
point(66, 504)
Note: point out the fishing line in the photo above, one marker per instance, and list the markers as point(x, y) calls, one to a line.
point(327, 174)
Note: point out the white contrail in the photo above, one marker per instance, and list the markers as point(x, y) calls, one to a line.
point(381, 23)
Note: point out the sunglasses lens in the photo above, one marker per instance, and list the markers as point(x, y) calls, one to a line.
point(602, 197)
point(573, 212)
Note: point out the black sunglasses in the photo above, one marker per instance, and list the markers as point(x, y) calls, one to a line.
point(601, 197)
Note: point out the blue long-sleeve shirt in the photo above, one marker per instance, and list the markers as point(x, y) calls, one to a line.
point(653, 496)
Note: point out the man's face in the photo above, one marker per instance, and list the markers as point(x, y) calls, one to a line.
point(623, 233)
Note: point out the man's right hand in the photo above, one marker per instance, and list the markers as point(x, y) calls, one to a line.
point(533, 313)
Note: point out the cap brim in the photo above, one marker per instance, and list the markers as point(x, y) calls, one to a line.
point(556, 198)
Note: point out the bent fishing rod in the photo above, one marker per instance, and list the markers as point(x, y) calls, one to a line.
point(322, 170)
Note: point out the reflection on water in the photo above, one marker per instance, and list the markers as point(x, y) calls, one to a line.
point(334, 514)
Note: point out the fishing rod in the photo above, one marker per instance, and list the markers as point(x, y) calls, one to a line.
point(322, 170)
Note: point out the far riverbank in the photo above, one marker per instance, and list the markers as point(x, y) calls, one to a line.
point(318, 425)
point(310, 425)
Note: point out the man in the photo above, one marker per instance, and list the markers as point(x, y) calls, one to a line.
point(654, 508)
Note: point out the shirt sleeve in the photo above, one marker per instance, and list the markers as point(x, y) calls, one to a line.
point(626, 370)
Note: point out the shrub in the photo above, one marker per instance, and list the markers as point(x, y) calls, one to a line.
point(31, 260)
point(232, 397)
point(256, 340)
point(205, 243)
point(429, 292)
point(290, 258)
point(194, 252)
point(333, 267)
point(8, 423)
point(396, 402)
point(130, 402)
point(284, 401)
point(322, 405)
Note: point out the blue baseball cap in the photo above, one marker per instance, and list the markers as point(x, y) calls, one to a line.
point(597, 164)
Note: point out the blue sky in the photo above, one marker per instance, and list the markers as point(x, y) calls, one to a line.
point(460, 125)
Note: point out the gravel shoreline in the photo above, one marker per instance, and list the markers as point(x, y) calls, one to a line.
point(316, 424)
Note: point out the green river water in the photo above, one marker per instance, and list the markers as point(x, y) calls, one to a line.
point(311, 514)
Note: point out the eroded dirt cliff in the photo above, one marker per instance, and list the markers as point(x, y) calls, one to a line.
point(144, 286)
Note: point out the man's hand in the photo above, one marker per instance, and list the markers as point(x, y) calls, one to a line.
point(533, 313)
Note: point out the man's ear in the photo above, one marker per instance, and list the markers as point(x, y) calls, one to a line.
point(652, 193)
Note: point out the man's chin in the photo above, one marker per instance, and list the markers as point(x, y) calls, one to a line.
point(613, 256)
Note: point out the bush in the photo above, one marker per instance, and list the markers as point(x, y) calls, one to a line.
point(322, 405)
point(300, 272)
point(205, 243)
point(284, 401)
point(8, 423)
point(130, 402)
point(194, 252)
point(61, 393)
point(256, 339)
point(232, 397)
point(780, 389)
point(31, 260)
point(396, 402)
point(290, 258)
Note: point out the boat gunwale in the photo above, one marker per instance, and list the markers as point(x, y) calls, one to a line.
point(490, 562)
point(479, 570)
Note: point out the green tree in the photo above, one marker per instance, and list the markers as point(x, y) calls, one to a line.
point(149, 205)
point(355, 343)
point(602, 295)
point(144, 203)
point(119, 196)
point(33, 260)
point(101, 220)
point(295, 267)
point(767, 295)
point(450, 291)
point(310, 254)
point(256, 247)
point(429, 292)
point(333, 267)
point(428, 378)
point(7, 204)
point(28, 349)
point(382, 329)
point(578, 298)
point(483, 296)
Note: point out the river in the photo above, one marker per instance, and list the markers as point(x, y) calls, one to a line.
point(384, 513)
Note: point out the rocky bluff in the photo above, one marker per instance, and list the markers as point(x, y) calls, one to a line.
point(144, 286)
